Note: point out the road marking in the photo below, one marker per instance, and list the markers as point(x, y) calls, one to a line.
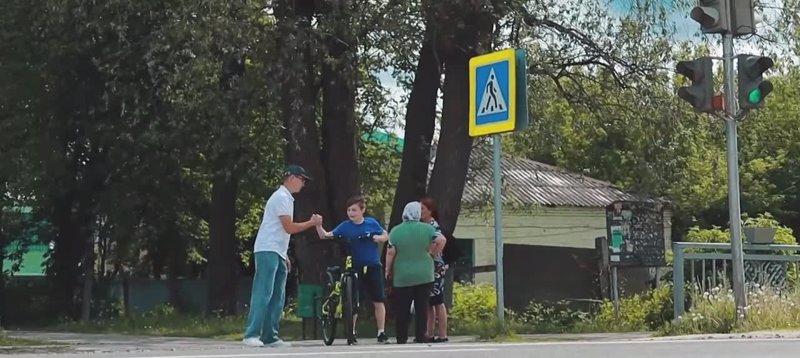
point(617, 342)
point(297, 354)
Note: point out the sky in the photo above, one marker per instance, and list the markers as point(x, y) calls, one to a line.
point(687, 29)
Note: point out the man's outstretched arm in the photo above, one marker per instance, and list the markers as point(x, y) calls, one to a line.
point(293, 227)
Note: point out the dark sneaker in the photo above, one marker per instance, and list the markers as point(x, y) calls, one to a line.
point(383, 338)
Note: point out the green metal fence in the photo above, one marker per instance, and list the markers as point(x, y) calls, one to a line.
point(708, 265)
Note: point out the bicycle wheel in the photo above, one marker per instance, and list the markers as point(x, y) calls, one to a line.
point(347, 308)
point(328, 317)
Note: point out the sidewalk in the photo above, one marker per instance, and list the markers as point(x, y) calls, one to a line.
point(783, 334)
point(111, 343)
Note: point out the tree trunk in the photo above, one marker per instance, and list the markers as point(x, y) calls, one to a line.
point(420, 118)
point(339, 150)
point(455, 145)
point(222, 275)
point(4, 242)
point(67, 254)
point(298, 96)
point(174, 248)
point(88, 283)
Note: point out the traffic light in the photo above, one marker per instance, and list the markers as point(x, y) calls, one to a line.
point(752, 86)
point(701, 92)
point(713, 16)
point(742, 17)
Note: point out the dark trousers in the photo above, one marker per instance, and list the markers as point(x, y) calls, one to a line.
point(401, 301)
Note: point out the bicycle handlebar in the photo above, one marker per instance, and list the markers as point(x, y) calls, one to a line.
point(365, 236)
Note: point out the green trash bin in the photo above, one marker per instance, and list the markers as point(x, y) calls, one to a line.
point(309, 304)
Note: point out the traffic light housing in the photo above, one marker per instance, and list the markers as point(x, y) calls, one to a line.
point(752, 87)
point(713, 16)
point(742, 17)
point(700, 94)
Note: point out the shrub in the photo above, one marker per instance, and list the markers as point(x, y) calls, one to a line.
point(547, 318)
point(783, 234)
point(473, 303)
point(639, 312)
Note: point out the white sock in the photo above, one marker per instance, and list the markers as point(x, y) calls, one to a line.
point(380, 331)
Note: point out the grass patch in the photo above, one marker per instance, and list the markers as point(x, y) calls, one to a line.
point(17, 342)
point(714, 312)
point(175, 325)
point(166, 322)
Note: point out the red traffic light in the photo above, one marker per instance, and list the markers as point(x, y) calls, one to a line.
point(691, 69)
point(701, 91)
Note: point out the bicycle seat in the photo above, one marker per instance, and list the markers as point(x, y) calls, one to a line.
point(334, 269)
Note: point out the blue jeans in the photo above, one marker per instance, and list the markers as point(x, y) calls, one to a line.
point(267, 297)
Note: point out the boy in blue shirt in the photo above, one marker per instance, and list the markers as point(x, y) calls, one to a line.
point(365, 255)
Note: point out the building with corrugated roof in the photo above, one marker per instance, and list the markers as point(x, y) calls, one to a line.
point(551, 218)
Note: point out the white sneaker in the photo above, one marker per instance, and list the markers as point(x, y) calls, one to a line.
point(253, 342)
point(279, 344)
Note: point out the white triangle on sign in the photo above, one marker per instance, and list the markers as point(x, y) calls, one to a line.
point(492, 100)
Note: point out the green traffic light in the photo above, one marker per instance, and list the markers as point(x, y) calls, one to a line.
point(755, 96)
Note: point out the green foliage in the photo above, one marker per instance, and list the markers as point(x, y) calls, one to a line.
point(472, 304)
point(783, 235)
point(640, 312)
point(715, 312)
point(492, 330)
point(380, 166)
point(715, 234)
point(473, 311)
point(549, 318)
point(6, 341)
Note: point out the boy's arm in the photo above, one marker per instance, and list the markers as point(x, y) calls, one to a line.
point(384, 237)
point(324, 234)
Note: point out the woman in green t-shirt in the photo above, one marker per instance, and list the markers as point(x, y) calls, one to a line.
point(409, 264)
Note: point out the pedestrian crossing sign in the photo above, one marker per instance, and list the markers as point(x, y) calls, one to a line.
point(496, 102)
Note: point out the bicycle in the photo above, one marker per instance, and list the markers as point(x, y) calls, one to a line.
point(340, 298)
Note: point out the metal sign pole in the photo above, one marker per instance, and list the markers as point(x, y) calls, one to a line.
point(498, 228)
point(615, 290)
point(498, 104)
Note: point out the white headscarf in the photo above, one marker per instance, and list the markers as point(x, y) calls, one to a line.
point(412, 211)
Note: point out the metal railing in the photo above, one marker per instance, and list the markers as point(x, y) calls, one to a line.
point(714, 265)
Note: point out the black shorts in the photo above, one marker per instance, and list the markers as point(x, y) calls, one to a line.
point(437, 292)
point(371, 282)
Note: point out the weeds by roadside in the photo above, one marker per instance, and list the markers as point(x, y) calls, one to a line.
point(714, 312)
point(6, 341)
point(473, 314)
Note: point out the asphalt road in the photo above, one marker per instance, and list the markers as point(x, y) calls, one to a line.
point(728, 348)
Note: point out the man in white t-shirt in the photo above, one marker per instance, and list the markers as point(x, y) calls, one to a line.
point(272, 263)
